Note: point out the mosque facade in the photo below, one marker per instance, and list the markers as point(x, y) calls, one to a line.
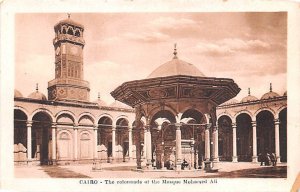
point(66, 127)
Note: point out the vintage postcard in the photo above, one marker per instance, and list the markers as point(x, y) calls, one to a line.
point(137, 97)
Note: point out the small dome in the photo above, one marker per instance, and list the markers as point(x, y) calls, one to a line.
point(270, 95)
point(285, 93)
point(17, 93)
point(249, 98)
point(118, 104)
point(37, 95)
point(229, 102)
point(176, 67)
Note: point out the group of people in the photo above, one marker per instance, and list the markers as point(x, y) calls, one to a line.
point(268, 159)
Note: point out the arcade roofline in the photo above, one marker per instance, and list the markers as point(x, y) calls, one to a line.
point(259, 101)
point(80, 104)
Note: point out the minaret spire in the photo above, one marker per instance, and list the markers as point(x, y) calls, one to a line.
point(249, 93)
point(175, 52)
point(37, 87)
point(270, 87)
point(69, 15)
point(98, 95)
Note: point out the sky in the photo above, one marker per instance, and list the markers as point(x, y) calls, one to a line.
point(248, 47)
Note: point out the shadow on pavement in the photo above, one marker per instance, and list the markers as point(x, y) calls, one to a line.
point(58, 172)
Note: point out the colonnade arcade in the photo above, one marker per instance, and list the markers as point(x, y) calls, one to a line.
point(43, 138)
point(173, 137)
point(245, 137)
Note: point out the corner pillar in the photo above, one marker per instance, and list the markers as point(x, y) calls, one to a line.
point(29, 147)
point(207, 143)
point(216, 144)
point(254, 142)
point(277, 143)
point(130, 143)
point(54, 125)
point(234, 154)
point(178, 146)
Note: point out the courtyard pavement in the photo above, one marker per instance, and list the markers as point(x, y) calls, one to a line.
point(128, 170)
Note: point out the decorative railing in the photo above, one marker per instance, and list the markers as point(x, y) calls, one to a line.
point(69, 81)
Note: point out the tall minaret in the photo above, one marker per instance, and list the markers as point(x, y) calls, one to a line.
point(68, 45)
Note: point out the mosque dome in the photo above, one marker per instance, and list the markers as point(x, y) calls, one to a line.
point(17, 93)
point(229, 102)
point(270, 94)
point(249, 97)
point(176, 67)
point(37, 95)
point(118, 104)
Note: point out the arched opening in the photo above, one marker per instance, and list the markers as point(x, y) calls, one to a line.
point(85, 146)
point(283, 135)
point(41, 137)
point(105, 137)
point(64, 146)
point(70, 31)
point(244, 137)
point(20, 135)
point(77, 33)
point(225, 138)
point(265, 132)
point(122, 142)
point(64, 31)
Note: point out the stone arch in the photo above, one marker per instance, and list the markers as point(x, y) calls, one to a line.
point(105, 115)
point(20, 134)
point(77, 33)
point(279, 110)
point(86, 114)
point(193, 113)
point(122, 117)
point(244, 137)
point(70, 113)
point(265, 109)
point(22, 109)
point(241, 112)
point(49, 113)
point(226, 114)
point(265, 131)
point(64, 30)
point(159, 108)
point(224, 123)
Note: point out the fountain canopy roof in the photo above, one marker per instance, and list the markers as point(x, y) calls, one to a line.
point(176, 81)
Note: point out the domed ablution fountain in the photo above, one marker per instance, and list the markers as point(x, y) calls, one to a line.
point(178, 103)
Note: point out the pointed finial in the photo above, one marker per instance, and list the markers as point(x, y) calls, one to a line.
point(98, 95)
point(249, 93)
point(270, 87)
point(69, 15)
point(37, 87)
point(175, 52)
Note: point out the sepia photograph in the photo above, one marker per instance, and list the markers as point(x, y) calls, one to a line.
point(154, 95)
point(153, 98)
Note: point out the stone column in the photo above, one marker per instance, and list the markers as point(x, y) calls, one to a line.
point(95, 141)
point(234, 155)
point(53, 142)
point(178, 146)
point(130, 143)
point(75, 142)
point(207, 144)
point(149, 147)
point(254, 142)
point(277, 143)
point(138, 116)
point(216, 144)
point(29, 147)
point(113, 143)
point(145, 143)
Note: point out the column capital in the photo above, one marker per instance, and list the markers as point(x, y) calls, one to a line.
point(277, 121)
point(216, 128)
point(114, 129)
point(253, 123)
point(75, 125)
point(233, 125)
point(29, 123)
point(129, 128)
point(177, 125)
point(54, 125)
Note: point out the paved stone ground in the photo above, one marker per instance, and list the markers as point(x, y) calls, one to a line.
point(127, 170)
